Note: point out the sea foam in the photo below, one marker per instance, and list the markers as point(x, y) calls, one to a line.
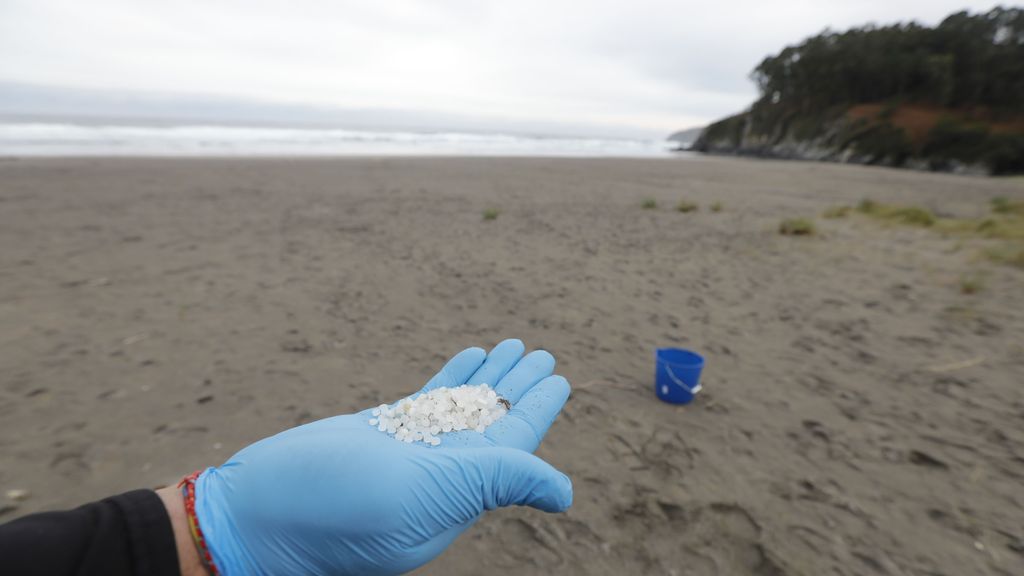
point(40, 139)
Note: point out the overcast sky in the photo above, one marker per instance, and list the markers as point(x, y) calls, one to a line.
point(630, 67)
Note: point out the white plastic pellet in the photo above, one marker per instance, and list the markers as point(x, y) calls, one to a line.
point(439, 411)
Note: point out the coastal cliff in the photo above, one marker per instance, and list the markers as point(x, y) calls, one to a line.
point(949, 98)
point(909, 136)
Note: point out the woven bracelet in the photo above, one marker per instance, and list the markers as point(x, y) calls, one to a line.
point(188, 491)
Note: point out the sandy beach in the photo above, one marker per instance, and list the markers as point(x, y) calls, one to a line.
point(860, 413)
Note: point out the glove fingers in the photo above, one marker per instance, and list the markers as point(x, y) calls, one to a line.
point(510, 477)
point(500, 360)
point(533, 368)
point(526, 424)
point(458, 369)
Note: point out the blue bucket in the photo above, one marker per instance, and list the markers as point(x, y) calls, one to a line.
point(677, 375)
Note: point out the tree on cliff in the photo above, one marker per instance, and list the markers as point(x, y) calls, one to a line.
point(966, 61)
point(949, 97)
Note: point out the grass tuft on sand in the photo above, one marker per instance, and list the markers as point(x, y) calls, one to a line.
point(996, 228)
point(911, 215)
point(1008, 254)
point(797, 227)
point(716, 207)
point(491, 214)
point(971, 284)
point(868, 206)
point(686, 206)
point(837, 212)
point(1006, 223)
point(914, 216)
point(1004, 206)
point(649, 204)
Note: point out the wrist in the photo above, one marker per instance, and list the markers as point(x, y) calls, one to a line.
point(188, 556)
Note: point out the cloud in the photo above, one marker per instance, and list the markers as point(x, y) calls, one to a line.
point(631, 66)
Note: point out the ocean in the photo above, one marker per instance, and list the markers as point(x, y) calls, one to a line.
point(56, 139)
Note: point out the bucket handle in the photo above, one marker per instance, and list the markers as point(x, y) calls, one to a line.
point(680, 383)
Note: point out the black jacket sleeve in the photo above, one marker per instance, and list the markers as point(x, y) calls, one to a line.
point(125, 535)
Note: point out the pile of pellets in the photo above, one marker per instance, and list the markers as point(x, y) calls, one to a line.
point(441, 410)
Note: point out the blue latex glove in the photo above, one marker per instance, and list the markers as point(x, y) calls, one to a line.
point(339, 497)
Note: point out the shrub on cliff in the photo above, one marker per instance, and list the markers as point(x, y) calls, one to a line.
point(884, 144)
point(1006, 154)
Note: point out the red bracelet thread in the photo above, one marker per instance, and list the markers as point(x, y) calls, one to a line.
point(188, 491)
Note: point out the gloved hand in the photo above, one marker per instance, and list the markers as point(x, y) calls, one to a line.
point(339, 497)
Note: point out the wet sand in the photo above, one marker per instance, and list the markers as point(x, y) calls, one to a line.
point(860, 414)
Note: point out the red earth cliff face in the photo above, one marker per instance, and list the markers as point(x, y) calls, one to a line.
point(917, 120)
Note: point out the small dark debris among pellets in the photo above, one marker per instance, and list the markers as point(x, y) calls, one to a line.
point(204, 399)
